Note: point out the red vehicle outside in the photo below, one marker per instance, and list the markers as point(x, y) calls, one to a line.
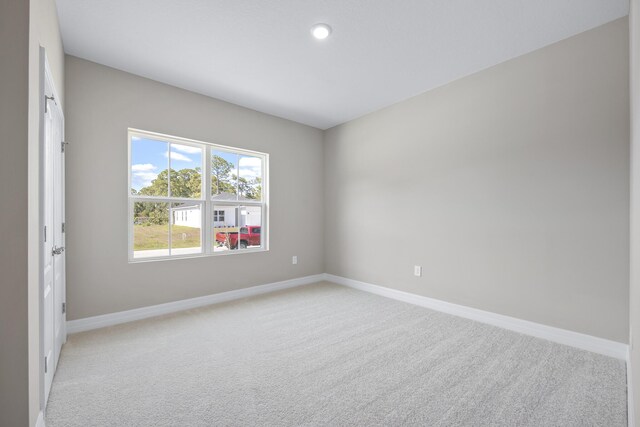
point(249, 236)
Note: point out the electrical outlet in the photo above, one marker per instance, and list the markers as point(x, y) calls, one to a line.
point(294, 260)
point(417, 270)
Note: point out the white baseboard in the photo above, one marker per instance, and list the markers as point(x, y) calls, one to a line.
point(562, 336)
point(631, 416)
point(40, 420)
point(89, 323)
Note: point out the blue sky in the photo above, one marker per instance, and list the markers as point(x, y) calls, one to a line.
point(149, 157)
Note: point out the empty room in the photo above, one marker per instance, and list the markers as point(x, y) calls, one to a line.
point(319, 213)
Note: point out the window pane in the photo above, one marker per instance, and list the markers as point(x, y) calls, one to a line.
point(250, 177)
point(224, 176)
point(169, 204)
point(250, 226)
point(186, 171)
point(149, 167)
point(225, 228)
point(186, 228)
point(150, 229)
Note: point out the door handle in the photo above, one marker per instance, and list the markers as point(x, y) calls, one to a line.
point(57, 251)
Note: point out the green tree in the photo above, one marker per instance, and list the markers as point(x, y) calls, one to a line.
point(158, 187)
point(151, 213)
point(187, 183)
point(250, 188)
point(257, 188)
point(221, 176)
point(184, 183)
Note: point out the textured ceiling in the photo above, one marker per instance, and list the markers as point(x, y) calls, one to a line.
point(260, 54)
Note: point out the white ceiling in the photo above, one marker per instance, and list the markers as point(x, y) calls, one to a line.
point(260, 54)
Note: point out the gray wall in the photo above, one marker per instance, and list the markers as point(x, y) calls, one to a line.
point(510, 187)
point(634, 295)
point(25, 26)
point(14, 86)
point(101, 103)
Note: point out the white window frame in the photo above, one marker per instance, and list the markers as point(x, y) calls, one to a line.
point(207, 239)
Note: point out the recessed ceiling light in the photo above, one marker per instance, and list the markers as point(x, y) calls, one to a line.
point(321, 31)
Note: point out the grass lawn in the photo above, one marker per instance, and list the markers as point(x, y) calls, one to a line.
point(153, 236)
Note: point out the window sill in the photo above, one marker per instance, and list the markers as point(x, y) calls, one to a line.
point(203, 255)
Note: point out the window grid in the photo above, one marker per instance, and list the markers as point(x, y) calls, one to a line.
point(205, 202)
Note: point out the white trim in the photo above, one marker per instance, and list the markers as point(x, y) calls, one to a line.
point(40, 420)
point(89, 323)
point(205, 201)
point(194, 142)
point(41, 221)
point(561, 336)
point(630, 403)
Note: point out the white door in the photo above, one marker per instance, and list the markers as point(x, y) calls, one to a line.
point(53, 292)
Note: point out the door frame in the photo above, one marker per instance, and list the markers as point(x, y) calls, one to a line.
point(47, 83)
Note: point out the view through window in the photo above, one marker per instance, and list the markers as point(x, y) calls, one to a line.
point(191, 198)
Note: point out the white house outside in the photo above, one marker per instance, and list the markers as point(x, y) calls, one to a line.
point(223, 215)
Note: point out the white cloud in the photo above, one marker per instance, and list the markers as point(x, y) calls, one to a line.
point(249, 172)
point(179, 157)
point(142, 179)
point(250, 161)
point(142, 175)
point(250, 167)
point(186, 149)
point(143, 167)
point(135, 138)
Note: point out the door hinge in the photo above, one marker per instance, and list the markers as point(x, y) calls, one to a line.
point(63, 227)
point(46, 105)
point(62, 144)
point(45, 233)
point(46, 367)
point(64, 307)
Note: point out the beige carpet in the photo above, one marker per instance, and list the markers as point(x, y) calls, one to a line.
point(328, 355)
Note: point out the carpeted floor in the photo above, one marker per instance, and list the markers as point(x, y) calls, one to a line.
point(328, 355)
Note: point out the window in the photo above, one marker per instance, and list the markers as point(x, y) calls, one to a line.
point(218, 216)
point(191, 198)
